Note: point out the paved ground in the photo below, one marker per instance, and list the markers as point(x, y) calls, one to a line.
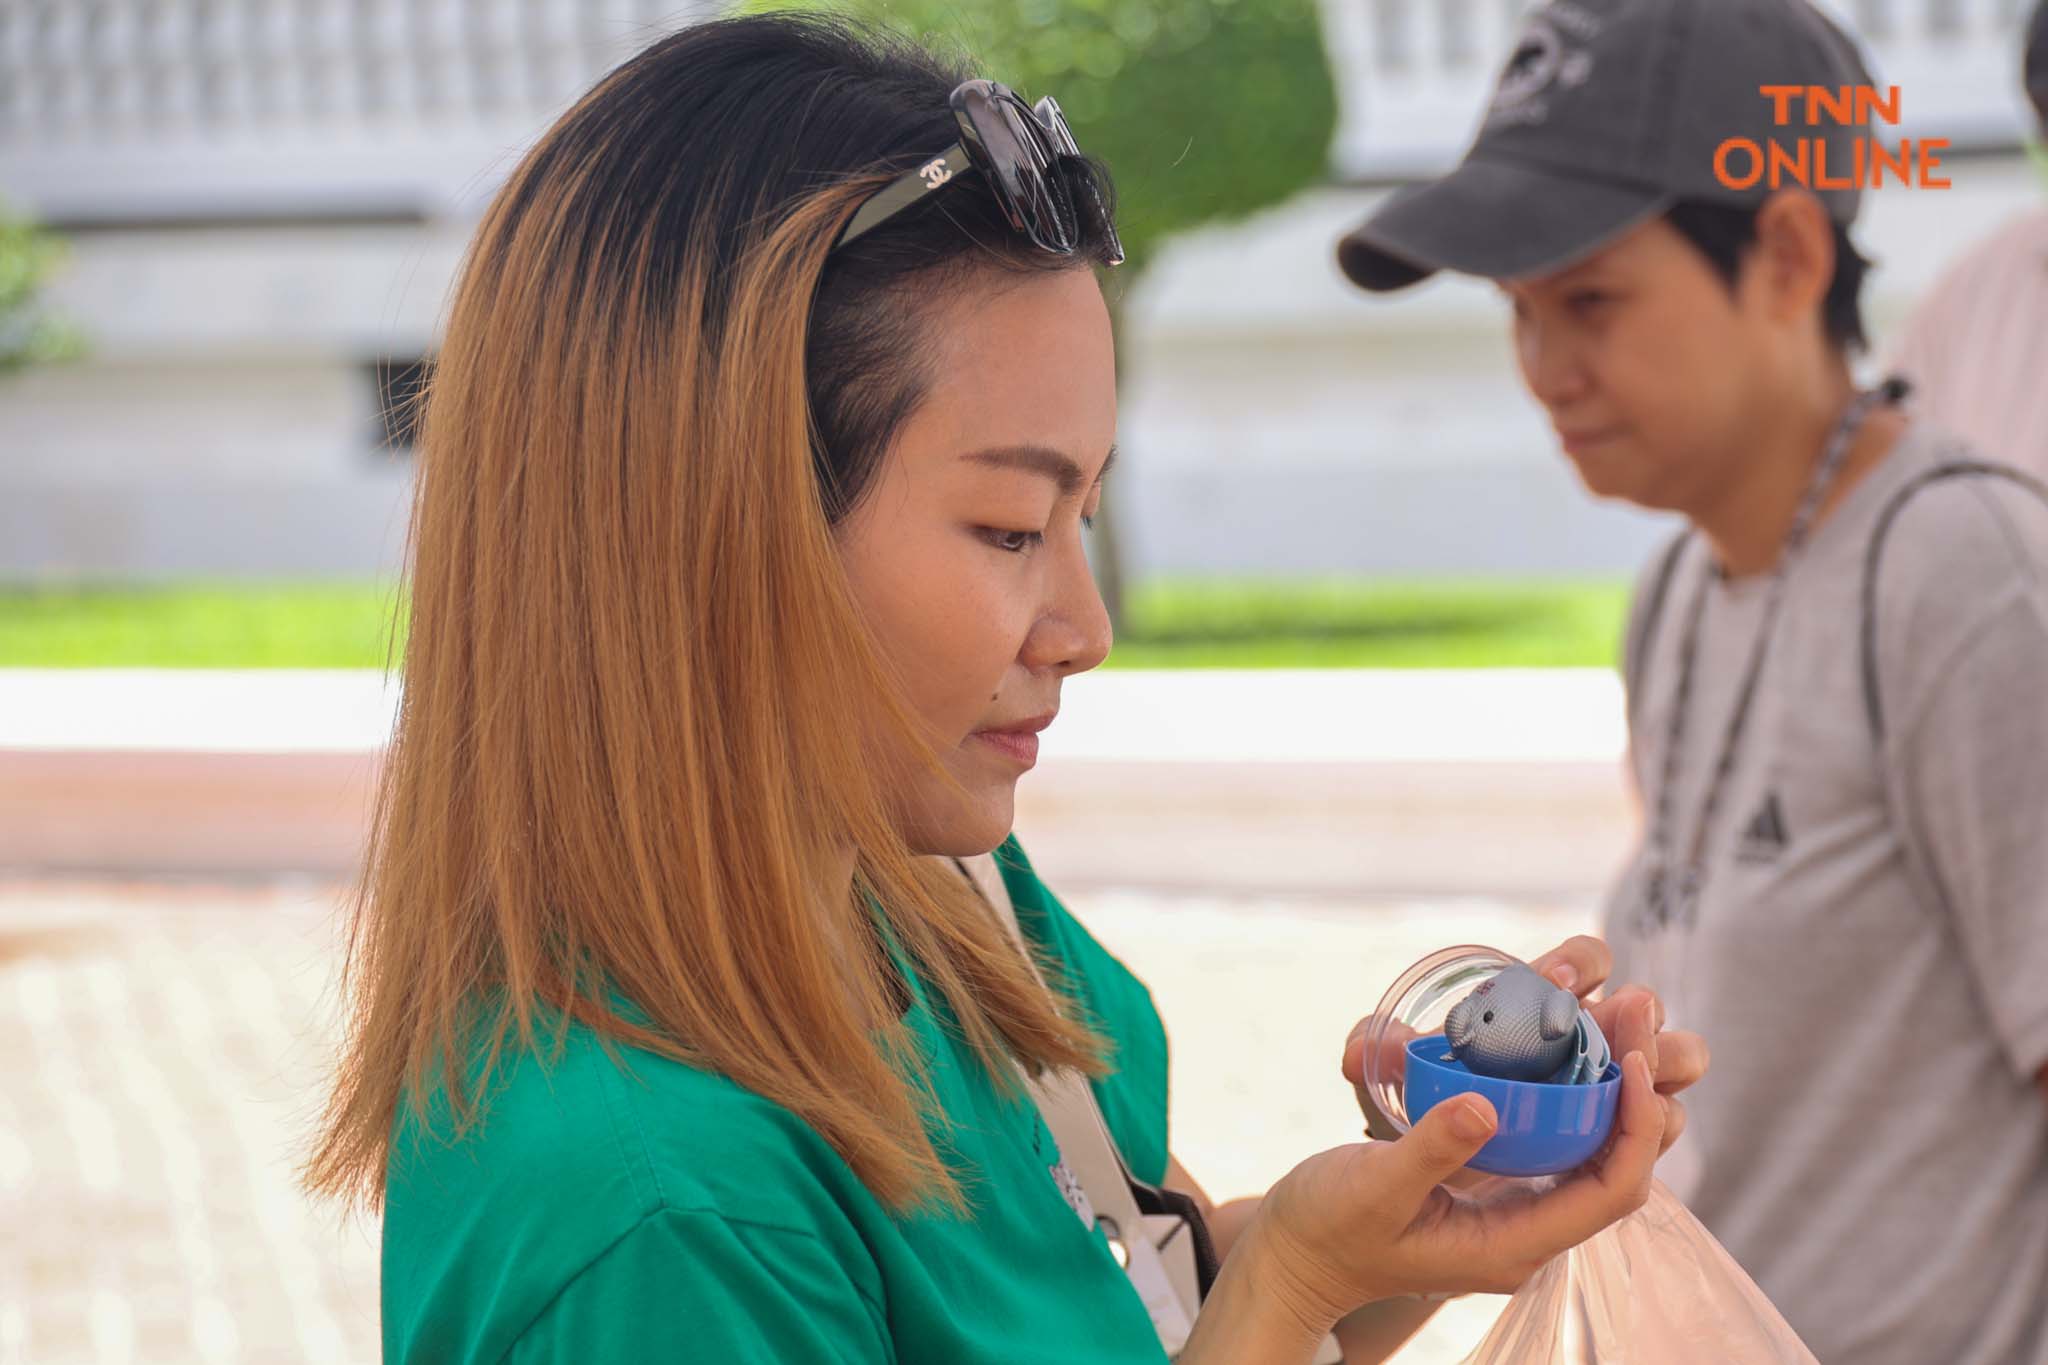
point(161, 1050)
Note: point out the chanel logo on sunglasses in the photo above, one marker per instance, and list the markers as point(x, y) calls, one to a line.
point(1020, 150)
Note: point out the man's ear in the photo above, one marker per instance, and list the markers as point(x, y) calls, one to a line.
point(1792, 262)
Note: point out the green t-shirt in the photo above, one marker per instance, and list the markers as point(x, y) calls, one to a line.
point(670, 1215)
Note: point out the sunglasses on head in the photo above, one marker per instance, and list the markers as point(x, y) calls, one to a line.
point(1018, 148)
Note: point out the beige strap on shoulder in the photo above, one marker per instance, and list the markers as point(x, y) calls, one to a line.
point(1156, 1250)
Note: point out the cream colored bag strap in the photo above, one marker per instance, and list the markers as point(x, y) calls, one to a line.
point(1169, 1284)
point(1157, 1251)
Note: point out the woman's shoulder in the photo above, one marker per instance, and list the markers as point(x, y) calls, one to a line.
point(639, 1130)
point(575, 1151)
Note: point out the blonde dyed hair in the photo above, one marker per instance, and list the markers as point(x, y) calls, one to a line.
point(627, 749)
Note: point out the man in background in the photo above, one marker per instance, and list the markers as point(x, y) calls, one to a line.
point(1834, 672)
point(1976, 348)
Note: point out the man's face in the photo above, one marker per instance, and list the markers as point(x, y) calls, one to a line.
point(1646, 364)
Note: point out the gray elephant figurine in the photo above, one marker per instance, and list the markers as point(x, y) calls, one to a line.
point(1517, 1026)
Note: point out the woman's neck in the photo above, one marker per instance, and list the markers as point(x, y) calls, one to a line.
point(1748, 517)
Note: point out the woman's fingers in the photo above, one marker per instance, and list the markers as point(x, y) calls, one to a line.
point(1682, 1061)
point(1354, 1052)
point(1434, 1150)
point(1578, 964)
point(1370, 1220)
point(1674, 1124)
point(1678, 1058)
point(1631, 1027)
point(1623, 1172)
point(1656, 1000)
point(1603, 1192)
point(1393, 1049)
point(1607, 1013)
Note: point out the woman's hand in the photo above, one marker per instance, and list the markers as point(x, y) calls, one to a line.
point(1632, 1019)
point(1374, 1220)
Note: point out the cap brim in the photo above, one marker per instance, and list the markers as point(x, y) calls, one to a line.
point(1497, 219)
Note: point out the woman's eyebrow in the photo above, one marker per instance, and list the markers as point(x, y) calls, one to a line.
point(1041, 460)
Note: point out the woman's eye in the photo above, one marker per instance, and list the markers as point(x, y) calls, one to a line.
point(1012, 542)
point(1586, 300)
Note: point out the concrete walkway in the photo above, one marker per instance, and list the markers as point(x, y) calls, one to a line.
point(1490, 782)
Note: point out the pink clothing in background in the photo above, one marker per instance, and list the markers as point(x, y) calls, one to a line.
point(1976, 348)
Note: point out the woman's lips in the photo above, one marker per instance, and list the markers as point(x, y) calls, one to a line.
point(1018, 740)
point(1021, 745)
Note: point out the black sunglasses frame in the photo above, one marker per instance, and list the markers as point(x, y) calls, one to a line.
point(1017, 147)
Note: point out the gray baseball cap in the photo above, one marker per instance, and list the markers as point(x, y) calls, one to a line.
point(1607, 113)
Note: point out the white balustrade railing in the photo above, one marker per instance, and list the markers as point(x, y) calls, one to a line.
point(149, 108)
point(141, 109)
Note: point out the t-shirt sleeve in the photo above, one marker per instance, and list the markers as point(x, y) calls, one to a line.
point(1973, 765)
point(1133, 1097)
point(695, 1286)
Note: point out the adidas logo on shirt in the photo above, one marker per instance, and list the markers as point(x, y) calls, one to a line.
point(1766, 835)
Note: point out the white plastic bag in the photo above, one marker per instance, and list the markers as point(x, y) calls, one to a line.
point(1654, 1289)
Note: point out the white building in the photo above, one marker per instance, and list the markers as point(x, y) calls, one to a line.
point(267, 199)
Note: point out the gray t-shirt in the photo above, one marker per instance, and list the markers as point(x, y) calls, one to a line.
point(1869, 959)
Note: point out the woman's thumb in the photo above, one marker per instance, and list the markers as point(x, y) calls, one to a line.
point(1447, 1138)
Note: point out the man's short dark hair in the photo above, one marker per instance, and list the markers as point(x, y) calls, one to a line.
point(2035, 63)
point(1723, 232)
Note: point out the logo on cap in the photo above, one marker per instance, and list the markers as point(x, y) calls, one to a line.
point(1542, 58)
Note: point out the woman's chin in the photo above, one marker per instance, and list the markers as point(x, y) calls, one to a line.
point(970, 830)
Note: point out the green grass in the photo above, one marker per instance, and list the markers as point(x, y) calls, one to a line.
point(212, 625)
point(1174, 624)
point(1351, 623)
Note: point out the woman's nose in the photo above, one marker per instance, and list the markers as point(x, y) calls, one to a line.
point(1074, 634)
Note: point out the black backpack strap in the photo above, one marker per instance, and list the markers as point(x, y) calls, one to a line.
point(1873, 703)
point(1637, 655)
point(1157, 1199)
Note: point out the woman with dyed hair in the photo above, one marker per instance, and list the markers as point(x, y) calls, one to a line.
point(747, 566)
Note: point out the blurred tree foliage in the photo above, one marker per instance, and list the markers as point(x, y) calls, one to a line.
point(27, 255)
point(1204, 110)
